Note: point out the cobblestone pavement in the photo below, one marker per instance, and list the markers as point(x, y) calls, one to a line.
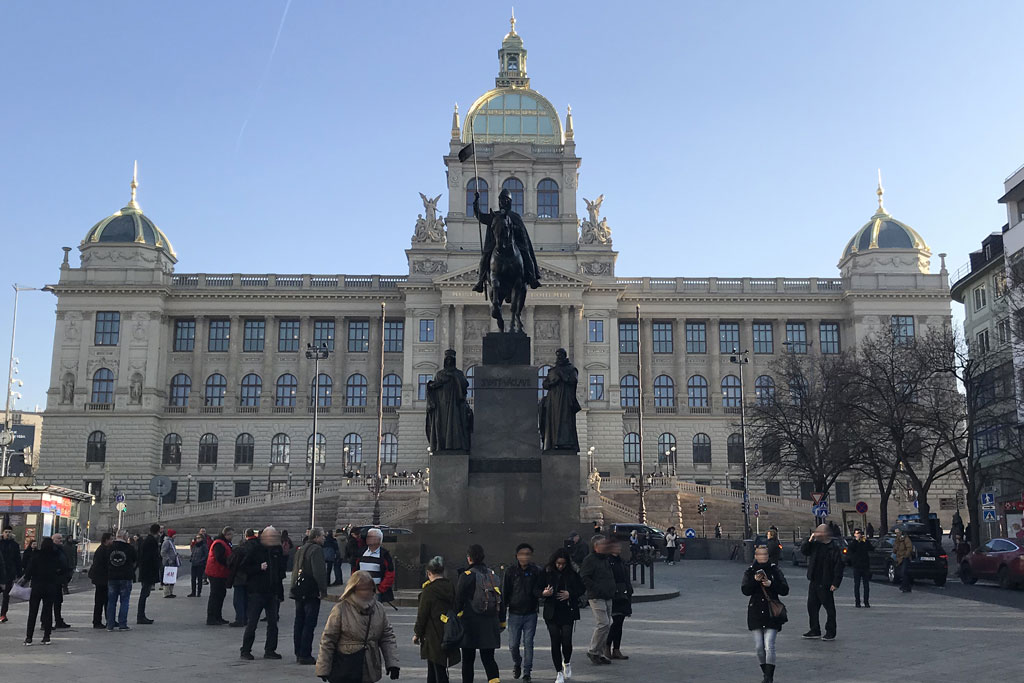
point(700, 636)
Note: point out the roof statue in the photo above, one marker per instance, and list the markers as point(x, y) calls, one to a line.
point(592, 230)
point(430, 228)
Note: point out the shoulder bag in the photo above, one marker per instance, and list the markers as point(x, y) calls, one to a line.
point(775, 607)
point(349, 668)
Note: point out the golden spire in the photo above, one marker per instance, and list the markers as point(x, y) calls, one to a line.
point(135, 185)
point(512, 22)
point(880, 191)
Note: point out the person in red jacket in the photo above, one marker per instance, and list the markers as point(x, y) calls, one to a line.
point(218, 573)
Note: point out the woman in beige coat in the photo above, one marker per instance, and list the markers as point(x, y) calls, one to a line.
point(357, 618)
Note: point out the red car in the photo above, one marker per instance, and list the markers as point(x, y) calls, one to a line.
point(1001, 559)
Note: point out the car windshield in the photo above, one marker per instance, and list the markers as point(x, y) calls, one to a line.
point(923, 543)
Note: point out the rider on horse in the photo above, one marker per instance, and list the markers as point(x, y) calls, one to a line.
point(531, 272)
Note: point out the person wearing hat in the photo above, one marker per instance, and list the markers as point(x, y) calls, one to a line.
point(169, 554)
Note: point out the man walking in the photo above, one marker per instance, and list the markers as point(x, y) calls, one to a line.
point(599, 581)
point(825, 572)
point(859, 553)
point(68, 562)
point(376, 560)
point(217, 571)
point(264, 567)
point(309, 562)
point(478, 599)
point(903, 548)
point(520, 590)
point(151, 570)
point(98, 574)
point(10, 559)
point(237, 578)
point(120, 573)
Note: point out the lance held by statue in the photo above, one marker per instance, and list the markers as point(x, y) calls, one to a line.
point(449, 417)
point(559, 406)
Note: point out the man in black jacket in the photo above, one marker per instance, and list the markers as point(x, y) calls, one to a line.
point(859, 553)
point(120, 573)
point(10, 568)
point(151, 570)
point(237, 579)
point(67, 561)
point(825, 572)
point(599, 580)
point(264, 568)
point(520, 590)
point(98, 576)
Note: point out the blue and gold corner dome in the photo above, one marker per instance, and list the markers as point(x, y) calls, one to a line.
point(884, 232)
point(128, 226)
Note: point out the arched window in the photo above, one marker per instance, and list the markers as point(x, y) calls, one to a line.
point(697, 392)
point(287, 387)
point(321, 449)
point(96, 447)
point(252, 387)
point(667, 449)
point(103, 386)
point(355, 391)
point(323, 388)
point(216, 388)
point(735, 449)
point(280, 449)
point(664, 392)
point(392, 391)
point(208, 449)
point(701, 449)
point(473, 186)
point(181, 387)
point(245, 446)
point(547, 199)
point(798, 390)
point(172, 450)
point(629, 391)
point(731, 391)
point(515, 188)
point(542, 372)
point(764, 390)
point(354, 443)
point(389, 448)
point(470, 373)
point(631, 448)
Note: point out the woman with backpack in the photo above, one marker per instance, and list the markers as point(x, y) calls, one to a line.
point(477, 596)
point(764, 582)
point(563, 590)
point(436, 601)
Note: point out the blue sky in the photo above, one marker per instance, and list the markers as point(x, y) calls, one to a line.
point(741, 136)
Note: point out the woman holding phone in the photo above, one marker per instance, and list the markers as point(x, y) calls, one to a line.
point(764, 582)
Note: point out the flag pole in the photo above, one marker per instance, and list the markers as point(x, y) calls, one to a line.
point(476, 189)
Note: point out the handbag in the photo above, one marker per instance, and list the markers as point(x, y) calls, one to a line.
point(170, 576)
point(349, 668)
point(20, 591)
point(775, 607)
point(451, 639)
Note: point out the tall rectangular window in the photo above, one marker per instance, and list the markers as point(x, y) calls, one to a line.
point(772, 488)
point(241, 489)
point(696, 338)
point(394, 336)
point(108, 328)
point(828, 338)
point(763, 342)
point(796, 337)
point(983, 345)
point(323, 333)
point(205, 491)
point(903, 328)
point(255, 333)
point(595, 331)
point(1003, 331)
point(220, 335)
point(662, 333)
point(427, 330)
point(288, 335)
point(728, 337)
point(359, 336)
point(628, 337)
point(597, 387)
point(842, 492)
point(184, 335)
point(980, 298)
point(806, 489)
point(421, 386)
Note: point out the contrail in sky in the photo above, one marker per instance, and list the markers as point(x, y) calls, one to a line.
point(266, 70)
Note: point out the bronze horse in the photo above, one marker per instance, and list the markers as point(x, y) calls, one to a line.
point(507, 282)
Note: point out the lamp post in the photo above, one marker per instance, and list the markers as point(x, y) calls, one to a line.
point(188, 489)
point(591, 466)
point(741, 358)
point(640, 417)
point(670, 459)
point(376, 484)
point(7, 434)
point(315, 354)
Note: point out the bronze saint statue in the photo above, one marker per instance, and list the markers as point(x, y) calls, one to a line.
point(449, 417)
point(559, 407)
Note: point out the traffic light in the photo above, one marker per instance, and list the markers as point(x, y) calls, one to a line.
point(743, 507)
point(702, 508)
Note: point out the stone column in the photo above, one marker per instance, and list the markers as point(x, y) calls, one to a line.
point(198, 357)
point(460, 330)
point(612, 378)
point(444, 331)
point(267, 364)
point(234, 364)
point(563, 328)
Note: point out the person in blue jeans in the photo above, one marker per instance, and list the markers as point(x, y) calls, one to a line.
point(521, 591)
point(120, 573)
point(309, 561)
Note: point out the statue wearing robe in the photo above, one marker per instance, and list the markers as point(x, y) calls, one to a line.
point(559, 407)
point(449, 417)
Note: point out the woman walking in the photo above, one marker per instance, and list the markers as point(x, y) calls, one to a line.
point(764, 583)
point(671, 545)
point(358, 636)
point(436, 600)
point(622, 603)
point(45, 572)
point(563, 589)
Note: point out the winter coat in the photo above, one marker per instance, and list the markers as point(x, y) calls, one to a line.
point(482, 631)
point(46, 570)
point(758, 613)
point(26, 557)
point(622, 603)
point(330, 549)
point(217, 560)
point(859, 553)
point(150, 565)
point(345, 632)
point(169, 553)
point(100, 566)
point(436, 599)
point(826, 558)
point(310, 559)
point(520, 590)
point(10, 557)
point(598, 577)
point(774, 550)
point(121, 560)
point(903, 548)
point(563, 612)
point(264, 581)
point(199, 552)
point(382, 570)
point(578, 551)
point(354, 547)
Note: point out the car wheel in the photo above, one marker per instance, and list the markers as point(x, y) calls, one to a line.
point(966, 575)
point(1003, 576)
point(940, 581)
point(891, 571)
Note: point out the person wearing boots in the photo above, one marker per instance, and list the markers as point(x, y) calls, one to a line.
point(622, 603)
point(860, 559)
point(151, 570)
point(825, 573)
point(763, 582)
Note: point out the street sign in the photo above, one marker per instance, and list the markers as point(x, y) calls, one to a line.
point(757, 513)
point(947, 503)
point(821, 509)
point(960, 499)
point(989, 515)
point(816, 497)
point(988, 498)
point(916, 506)
point(690, 533)
point(119, 498)
point(702, 500)
point(862, 507)
point(1013, 506)
point(6, 437)
point(121, 507)
point(160, 485)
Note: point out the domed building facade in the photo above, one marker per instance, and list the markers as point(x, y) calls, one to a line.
point(202, 377)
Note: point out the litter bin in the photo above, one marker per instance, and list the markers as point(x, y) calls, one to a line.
point(748, 550)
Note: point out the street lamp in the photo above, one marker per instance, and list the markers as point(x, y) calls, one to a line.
point(741, 358)
point(316, 354)
point(375, 483)
point(640, 416)
point(640, 484)
point(590, 459)
point(7, 434)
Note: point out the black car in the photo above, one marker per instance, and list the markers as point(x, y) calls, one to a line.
point(929, 560)
point(653, 536)
point(800, 560)
point(389, 532)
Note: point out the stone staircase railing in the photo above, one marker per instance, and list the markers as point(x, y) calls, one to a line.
point(670, 483)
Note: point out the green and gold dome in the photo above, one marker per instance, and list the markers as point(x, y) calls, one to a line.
point(129, 226)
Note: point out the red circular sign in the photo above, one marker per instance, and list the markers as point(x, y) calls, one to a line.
point(862, 507)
